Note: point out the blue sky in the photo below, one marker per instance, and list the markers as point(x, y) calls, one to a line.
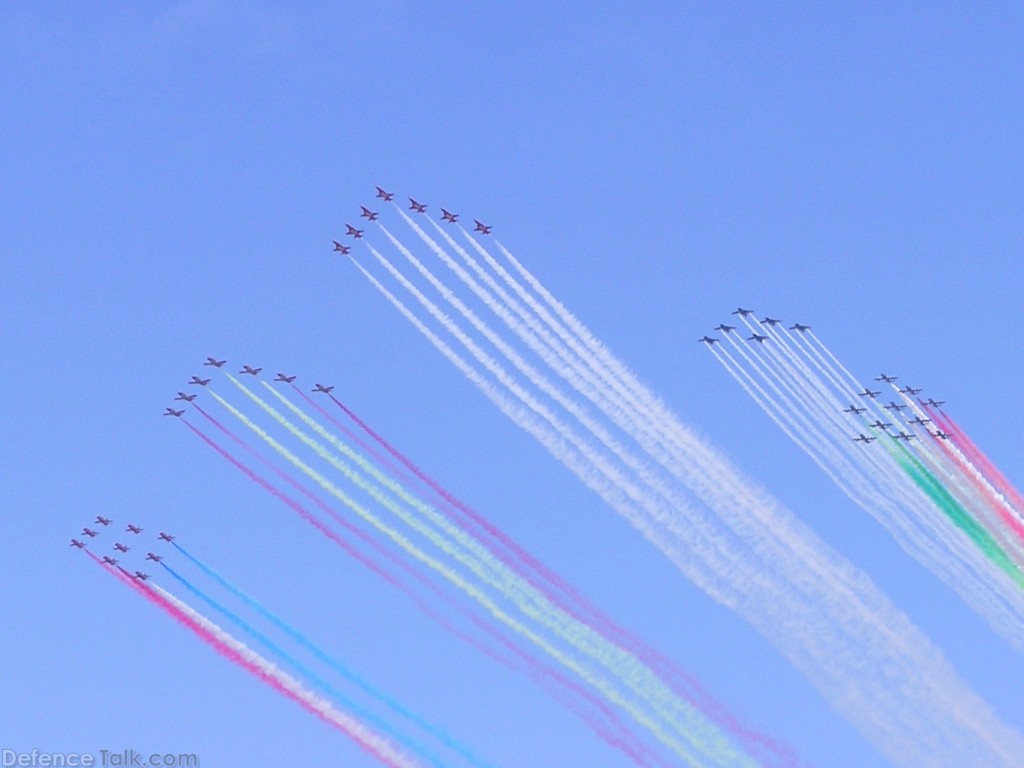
point(173, 176)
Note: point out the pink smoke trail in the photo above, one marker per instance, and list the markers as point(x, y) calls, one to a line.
point(978, 458)
point(370, 742)
point(614, 731)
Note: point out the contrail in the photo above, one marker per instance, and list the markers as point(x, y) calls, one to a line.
point(236, 651)
point(749, 553)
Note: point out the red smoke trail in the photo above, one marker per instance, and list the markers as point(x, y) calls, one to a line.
point(232, 655)
point(977, 457)
point(615, 732)
point(576, 605)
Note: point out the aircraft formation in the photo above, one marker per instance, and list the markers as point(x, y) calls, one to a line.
point(531, 355)
point(915, 470)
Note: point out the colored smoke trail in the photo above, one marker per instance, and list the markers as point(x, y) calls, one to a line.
point(578, 699)
point(239, 653)
point(393, 704)
point(944, 518)
point(561, 592)
point(747, 552)
point(306, 672)
point(696, 736)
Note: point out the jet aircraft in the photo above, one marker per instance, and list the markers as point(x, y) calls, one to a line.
point(322, 388)
point(904, 436)
point(854, 409)
point(418, 207)
point(918, 420)
point(368, 214)
point(449, 216)
point(885, 378)
point(758, 338)
point(863, 439)
point(894, 407)
point(185, 397)
point(109, 560)
point(870, 393)
point(215, 363)
point(742, 312)
point(911, 391)
point(103, 520)
point(285, 379)
point(90, 533)
point(882, 425)
point(171, 412)
point(725, 328)
point(387, 197)
point(353, 232)
point(770, 321)
point(166, 536)
point(342, 249)
point(142, 576)
point(133, 528)
point(120, 547)
point(200, 382)
point(942, 435)
point(250, 370)
point(799, 327)
point(481, 227)
point(154, 557)
point(707, 340)
point(77, 543)
point(934, 403)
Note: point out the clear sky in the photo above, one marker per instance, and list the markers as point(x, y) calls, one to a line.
point(172, 176)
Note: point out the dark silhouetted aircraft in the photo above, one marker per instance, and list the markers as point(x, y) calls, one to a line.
point(185, 397)
point(77, 543)
point(484, 229)
point(449, 216)
point(353, 232)
point(368, 214)
point(89, 532)
point(387, 197)
point(200, 382)
point(854, 409)
point(322, 388)
point(166, 536)
point(911, 391)
point(770, 321)
point(870, 393)
point(215, 363)
point(742, 312)
point(133, 528)
point(250, 370)
point(171, 412)
point(863, 439)
point(418, 207)
point(725, 328)
point(285, 379)
point(707, 340)
point(154, 557)
point(758, 338)
point(885, 378)
point(103, 520)
point(342, 249)
point(120, 547)
point(799, 327)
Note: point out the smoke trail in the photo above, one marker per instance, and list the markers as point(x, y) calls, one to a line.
point(236, 651)
point(822, 613)
point(389, 701)
point(570, 600)
point(698, 734)
point(578, 699)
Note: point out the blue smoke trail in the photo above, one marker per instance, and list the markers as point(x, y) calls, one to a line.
point(323, 656)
